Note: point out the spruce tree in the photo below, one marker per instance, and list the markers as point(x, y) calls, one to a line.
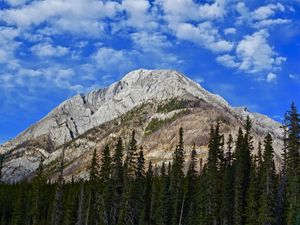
point(137, 193)
point(293, 166)
point(117, 179)
point(167, 199)
point(241, 182)
point(20, 212)
point(128, 209)
point(1, 168)
point(213, 175)
point(81, 203)
point(268, 178)
point(281, 194)
point(94, 195)
point(38, 183)
point(190, 207)
point(253, 195)
point(244, 146)
point(228, 186)
point(147, 217)
point(105, 186)
point(177, 178)
point(57, 211)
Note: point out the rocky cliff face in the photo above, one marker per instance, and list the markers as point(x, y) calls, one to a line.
point(153, 102)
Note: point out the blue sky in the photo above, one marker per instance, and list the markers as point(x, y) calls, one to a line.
point(246, 51)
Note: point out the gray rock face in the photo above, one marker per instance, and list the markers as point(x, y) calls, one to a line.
point(77, 115)
point(82, 112)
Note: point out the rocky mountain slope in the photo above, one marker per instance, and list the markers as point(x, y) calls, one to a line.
point(155, 103)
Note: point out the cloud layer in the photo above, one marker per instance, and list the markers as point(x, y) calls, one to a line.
point(78, 45)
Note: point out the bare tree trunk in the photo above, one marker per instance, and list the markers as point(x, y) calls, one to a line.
point(181, 211)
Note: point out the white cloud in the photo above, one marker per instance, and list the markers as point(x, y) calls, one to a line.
point(8, 46)
point(204, 35)
point(184, 10)
point(138, 14)
point(72, 16)
point(230, 30)
point(270, 22)
point(265, 12)
point(295, 77)
point(150, 42)
point(109, 59)
point(227, 60)
point(271, 77)
point(47, 50)
point(262, 17)
point(253, 54)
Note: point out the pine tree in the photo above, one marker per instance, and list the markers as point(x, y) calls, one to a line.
point(253, 196)
point(20, 210)
point(166, 199)
point(71, 203)
point(128, 209)
point(190, 207)
point(94, 186)
point(244, 146)
point(281, 194)
point(1, 168)
point(131, 158)
point(293, 166)
point(177, 178)
point(81, 202)
point(105, 186)
point(57, 211)
point(118, 182)
point(213, 175)
point(137, 193)
point(268, 196)
point(228, 186)
point(148, 196)
point(38, 184)
point(158, 179)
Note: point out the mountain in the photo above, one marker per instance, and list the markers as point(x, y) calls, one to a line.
point(154, 103)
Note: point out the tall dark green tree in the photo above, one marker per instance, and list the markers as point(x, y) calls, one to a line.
point(128, 210)
point(38, 197)
point(293, 166)
point(94, 204)
point(251, 211)
point(177, 178)
point(228, 186)
point(137, 193)
point(117, 179)
point(268, 179)
point(166, 198)
point(57, 211)
point(191, 204)
point(213, 174)
point(105, 186)
point(80, 218)
point(1, 167)
point(244, 146)
point(148, 201)
point(20, 213)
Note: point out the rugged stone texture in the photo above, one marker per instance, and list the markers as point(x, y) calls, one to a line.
point(80, 120)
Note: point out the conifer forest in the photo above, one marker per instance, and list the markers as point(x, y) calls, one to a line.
point(238, 184)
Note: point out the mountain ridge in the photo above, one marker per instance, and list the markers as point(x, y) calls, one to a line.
point(84, 112)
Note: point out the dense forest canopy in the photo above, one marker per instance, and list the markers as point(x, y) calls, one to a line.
point(233, 186)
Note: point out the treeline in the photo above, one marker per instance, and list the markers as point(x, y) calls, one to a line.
point(233, 187)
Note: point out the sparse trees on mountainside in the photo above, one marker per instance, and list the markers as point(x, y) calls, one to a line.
point(236, 185)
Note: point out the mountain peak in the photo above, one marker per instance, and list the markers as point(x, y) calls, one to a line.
point(82, 113)
point(143, 74)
